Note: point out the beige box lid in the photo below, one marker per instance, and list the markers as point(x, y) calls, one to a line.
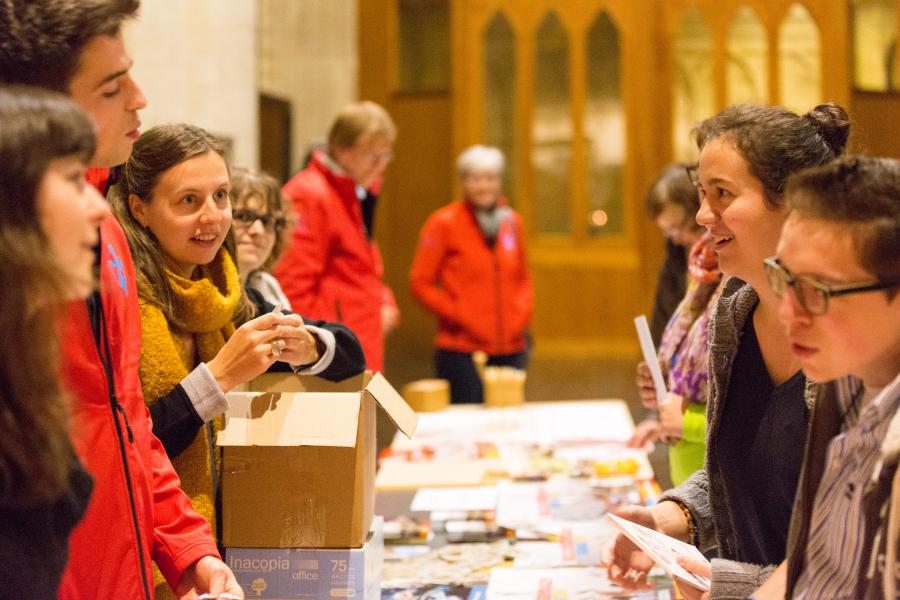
point(308, 419)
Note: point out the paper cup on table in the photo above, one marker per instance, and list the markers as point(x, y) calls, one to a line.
point(503, 386)
point(427, 395)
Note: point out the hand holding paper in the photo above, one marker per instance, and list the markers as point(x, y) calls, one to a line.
point(665, 551)
point(649, 351)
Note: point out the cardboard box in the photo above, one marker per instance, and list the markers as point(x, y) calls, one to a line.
point(299, 468)
point(282, 574)
point(427, 395)
point(285, 381)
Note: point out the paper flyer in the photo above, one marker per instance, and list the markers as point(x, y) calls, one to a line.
point(663, 550)
point(649, 351)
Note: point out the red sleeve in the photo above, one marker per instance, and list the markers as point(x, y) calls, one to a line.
point(181, 537)
point(387, 294)
point(303, 264)
point(424, 276)
point(525, 297)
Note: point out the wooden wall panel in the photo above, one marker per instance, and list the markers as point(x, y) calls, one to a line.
point(587, 290)
point(876, 134)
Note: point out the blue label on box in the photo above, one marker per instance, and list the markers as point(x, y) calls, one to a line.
point(307, 573)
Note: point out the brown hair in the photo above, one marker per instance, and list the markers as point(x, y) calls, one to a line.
point(41, 40)
point(863, 193)
point(673, 186)
point(776, 142)
point(36, 127)
point(155, 152)
point(246, 183)
point(360, 120)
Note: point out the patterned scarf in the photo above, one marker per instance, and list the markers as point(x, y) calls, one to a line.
point(683, 349)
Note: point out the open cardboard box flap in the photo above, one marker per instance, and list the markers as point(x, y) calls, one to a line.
point(308, 419)
point(404, 417)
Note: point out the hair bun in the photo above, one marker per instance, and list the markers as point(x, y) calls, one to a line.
point(832, 123)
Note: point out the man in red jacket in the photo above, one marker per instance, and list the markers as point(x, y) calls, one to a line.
point(138, 511)
point(332, 269)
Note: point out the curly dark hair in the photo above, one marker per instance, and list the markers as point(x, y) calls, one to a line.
point(41, 40)
point(775, 142)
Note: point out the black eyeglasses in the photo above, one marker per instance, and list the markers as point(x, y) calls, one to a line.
point(811, 294)
point(247, 218)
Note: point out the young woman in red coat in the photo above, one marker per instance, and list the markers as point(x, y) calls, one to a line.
point(470, 270)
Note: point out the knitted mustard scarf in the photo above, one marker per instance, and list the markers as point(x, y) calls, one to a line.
point(205, 307)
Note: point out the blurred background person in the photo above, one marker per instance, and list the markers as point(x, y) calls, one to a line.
point(49, 218)
point(673, 202)
point(260, 218)
point(471, 271)
point(332, 269)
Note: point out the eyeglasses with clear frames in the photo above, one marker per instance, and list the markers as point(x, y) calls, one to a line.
point(813, 295)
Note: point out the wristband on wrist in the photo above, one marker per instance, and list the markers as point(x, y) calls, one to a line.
point(692, 525)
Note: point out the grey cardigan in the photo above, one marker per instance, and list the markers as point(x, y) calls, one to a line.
point(705, 493)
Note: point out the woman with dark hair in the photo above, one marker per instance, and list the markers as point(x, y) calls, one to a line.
point(200, 333)
point(48, 229)
point(758, 398)
point(672, 202)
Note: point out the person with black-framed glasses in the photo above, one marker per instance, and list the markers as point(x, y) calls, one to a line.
point(812, 295)
point(839, 255)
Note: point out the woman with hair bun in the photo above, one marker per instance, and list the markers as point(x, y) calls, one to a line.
point(470, 271)
point(737, 508)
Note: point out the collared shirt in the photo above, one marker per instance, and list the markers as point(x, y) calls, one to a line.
point(837, 527)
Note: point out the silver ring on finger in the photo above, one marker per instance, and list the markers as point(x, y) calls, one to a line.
point(276, 347)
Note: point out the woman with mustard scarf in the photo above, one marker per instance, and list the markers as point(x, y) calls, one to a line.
point(199, 335)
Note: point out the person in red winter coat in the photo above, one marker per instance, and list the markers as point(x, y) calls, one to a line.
point(471, 271)
point(138, 511)
point(332, 269)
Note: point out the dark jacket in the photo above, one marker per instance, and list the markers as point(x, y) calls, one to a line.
point(671, 285)
point(34, 540)
point(705, 493)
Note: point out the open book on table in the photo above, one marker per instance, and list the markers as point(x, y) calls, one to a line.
point(664, 550)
